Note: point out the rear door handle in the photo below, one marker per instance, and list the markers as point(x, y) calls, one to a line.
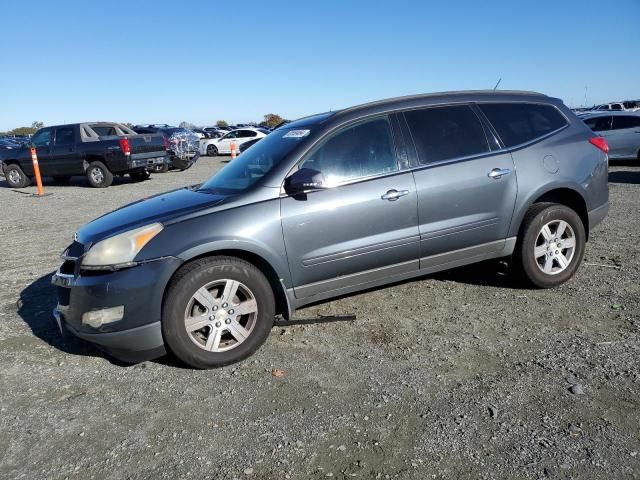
point(392, 195)
point(498, 173)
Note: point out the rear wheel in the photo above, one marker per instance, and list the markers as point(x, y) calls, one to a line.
point(551, 245)
point(15, 177)
point(217, 311)
point(140, 176)
point(212, 151)
point(99, 175)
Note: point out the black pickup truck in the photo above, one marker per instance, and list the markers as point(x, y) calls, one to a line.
point(98, 150)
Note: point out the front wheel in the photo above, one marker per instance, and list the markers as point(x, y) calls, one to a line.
point(551, 245)
point(212, 151)
point(15, 177)
point(99, 175)
point(217, 311)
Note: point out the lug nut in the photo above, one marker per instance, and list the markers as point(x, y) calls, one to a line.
point(227, 321)
point(224, 305)
point(215, 308)
point(211, 317)
point(231, 311)
point(218, 324)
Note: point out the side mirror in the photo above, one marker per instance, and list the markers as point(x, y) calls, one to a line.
point(304, 180)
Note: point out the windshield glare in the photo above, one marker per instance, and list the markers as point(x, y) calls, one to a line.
point(255, 162)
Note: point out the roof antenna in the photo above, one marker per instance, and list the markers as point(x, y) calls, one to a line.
point(499, 80)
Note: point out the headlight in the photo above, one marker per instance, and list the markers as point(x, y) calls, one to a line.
point(120, 250)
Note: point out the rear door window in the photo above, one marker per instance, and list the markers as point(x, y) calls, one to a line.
point(64, 136)
point(445, 133)
point(625, 121)
point(599, 124)
point(518, 123)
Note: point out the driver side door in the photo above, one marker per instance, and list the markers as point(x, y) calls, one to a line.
point(356, 231)
point(224, 145)
point(43, 142)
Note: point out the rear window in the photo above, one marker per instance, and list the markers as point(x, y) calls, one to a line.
point(104, 131)
point(518, 123)
point(444, 133)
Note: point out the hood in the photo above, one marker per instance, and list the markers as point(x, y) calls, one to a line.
point(159, 208)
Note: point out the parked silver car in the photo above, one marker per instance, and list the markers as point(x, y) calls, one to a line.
point(621, 129)
point(333, 204)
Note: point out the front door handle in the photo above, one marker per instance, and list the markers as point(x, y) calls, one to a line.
point(393, 195)
point(498, 173)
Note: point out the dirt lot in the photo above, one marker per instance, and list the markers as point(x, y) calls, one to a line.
point(457, 375)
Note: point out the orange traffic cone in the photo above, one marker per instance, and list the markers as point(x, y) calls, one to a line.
point(233, 150)
point(36, 171)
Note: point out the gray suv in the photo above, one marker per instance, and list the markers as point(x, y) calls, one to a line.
point(332, 204)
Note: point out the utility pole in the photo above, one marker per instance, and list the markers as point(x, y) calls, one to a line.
point(499, 80)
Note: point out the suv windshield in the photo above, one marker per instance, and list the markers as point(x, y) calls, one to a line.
point(255, 162)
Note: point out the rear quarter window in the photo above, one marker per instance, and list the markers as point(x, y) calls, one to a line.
point(518, 123)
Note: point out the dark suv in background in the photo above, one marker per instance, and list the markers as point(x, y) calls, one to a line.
point(332, 204)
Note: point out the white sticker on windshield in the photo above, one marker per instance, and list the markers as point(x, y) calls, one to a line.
point(296, 134)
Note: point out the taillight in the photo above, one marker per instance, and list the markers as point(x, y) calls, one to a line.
point(600, 143)
point(165, 142)
point(124, 146)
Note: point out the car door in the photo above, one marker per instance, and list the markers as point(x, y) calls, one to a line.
point(624, 136)
point(42, 140)
point(364, 227)
point(65, 156)
point(224, 144)
point(466, 188)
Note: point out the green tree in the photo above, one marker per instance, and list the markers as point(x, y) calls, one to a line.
point(37, 125)
point(188, 125)
point(272, 120)
point(221, 123)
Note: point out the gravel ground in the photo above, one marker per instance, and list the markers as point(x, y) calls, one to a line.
point(458, 375)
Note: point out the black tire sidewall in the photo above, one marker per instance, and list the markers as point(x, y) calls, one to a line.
point(530, 269)
point(181, 290)
point(24, 180)
point(107, 175)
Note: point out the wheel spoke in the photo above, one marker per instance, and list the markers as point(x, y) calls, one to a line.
point(230, 290)
point(562, 226)
point(540, 251)
point(546, 233)
point(548, 265)
point(569, 242)
point(248, 306)
point(237, 331)
point(562, 260)
point(196, 323)
point(204, 298)
point(213, 340)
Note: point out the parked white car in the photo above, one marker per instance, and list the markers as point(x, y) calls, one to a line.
point(221, 146)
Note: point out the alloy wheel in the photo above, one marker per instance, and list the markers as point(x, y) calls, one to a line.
point(555, 247)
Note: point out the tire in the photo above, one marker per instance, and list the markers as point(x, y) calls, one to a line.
point(61, 178)
point(212, 277)
point(15, 177)
point(139, 176)
point(212, 151)
point(555, 263)
point(99, 175)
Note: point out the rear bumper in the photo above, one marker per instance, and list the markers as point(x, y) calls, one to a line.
point(597, 215)
point(141, 160)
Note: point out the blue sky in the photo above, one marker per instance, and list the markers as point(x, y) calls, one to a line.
point(168, 61)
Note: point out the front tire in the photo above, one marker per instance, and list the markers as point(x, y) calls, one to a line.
point(218, 311)
point(550, 246)
point(15, 177)
point(212, 151)
point(99, 175)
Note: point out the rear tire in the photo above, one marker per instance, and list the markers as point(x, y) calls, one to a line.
point(550, 246)
point(99, 175)
point(15, 177)
point(140, 176)
point(228, 305)
point(212, 151)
